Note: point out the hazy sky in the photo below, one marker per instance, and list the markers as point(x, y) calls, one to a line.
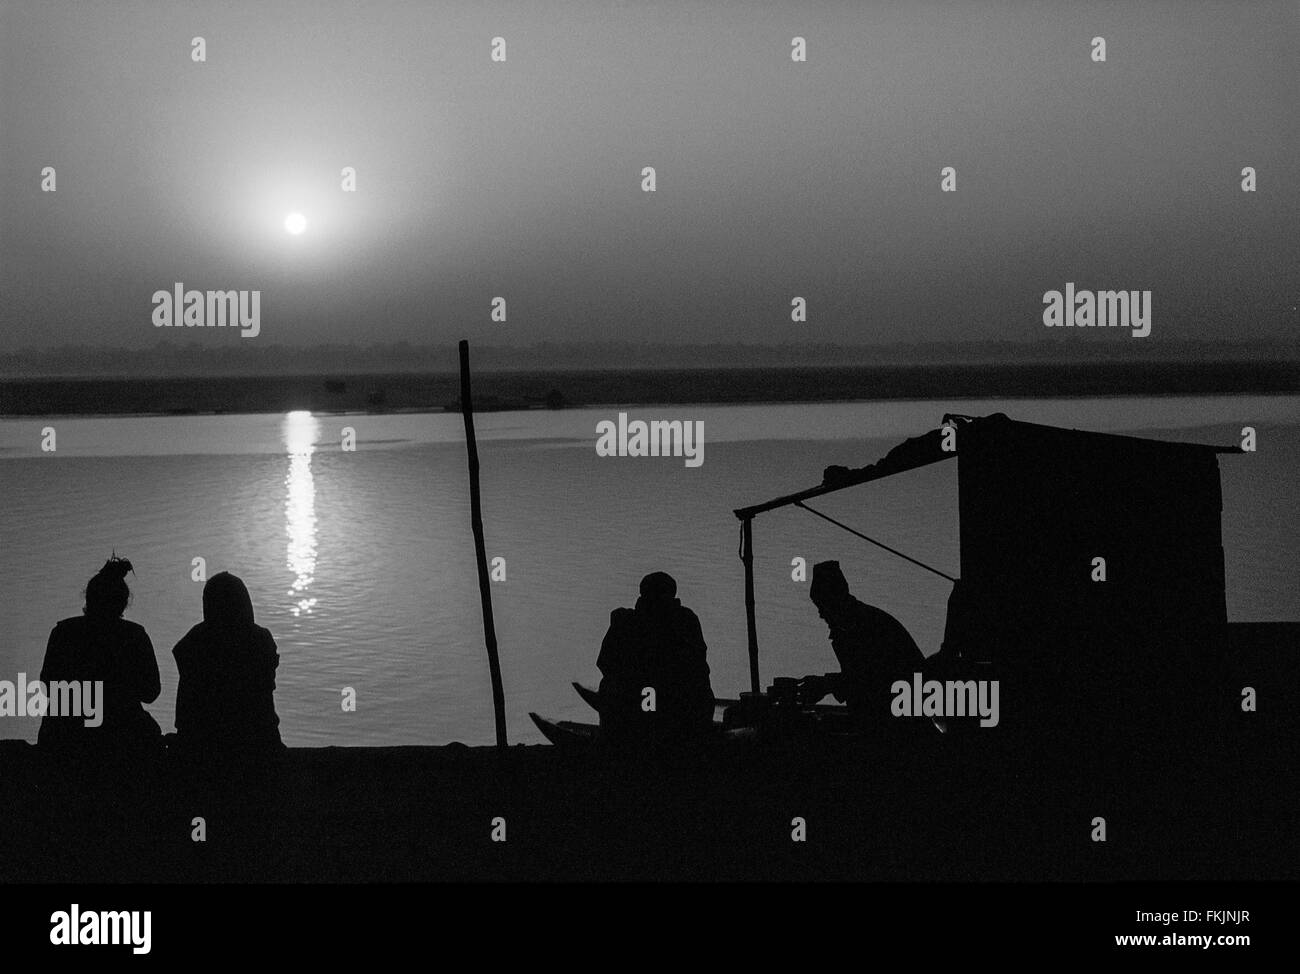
point(523, 179)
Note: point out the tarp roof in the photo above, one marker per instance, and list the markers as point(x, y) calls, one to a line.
point(920, 451)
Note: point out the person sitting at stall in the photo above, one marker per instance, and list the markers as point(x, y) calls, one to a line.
point(98, 654)
point(655, 679)
point(226, 694)
point(873, 648)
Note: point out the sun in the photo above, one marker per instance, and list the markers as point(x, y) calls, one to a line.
point(295, 223)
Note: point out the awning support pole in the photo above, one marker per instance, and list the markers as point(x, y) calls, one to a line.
point(747, 556)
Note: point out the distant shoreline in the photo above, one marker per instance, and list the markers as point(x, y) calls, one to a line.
point(496, 390)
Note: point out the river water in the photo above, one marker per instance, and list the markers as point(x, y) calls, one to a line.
point(361, 563)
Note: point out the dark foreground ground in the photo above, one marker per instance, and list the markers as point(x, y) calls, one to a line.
point(1204, 791)
point(521, 390)
point(971, 811)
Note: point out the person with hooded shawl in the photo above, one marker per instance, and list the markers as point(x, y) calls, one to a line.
point(226, 694)
point(99, 646)
point(658, 644)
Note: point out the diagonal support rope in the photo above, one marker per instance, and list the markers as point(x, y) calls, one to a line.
point(859, 534)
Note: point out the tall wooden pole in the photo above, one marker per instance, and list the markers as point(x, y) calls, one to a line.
point(747, 556)
point(476, 520)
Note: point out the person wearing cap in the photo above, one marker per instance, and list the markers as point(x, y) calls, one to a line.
point(872, 647)
point(654, 676)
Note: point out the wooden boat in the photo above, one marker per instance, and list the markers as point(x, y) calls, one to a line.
point(592, 698)
point(570, 733)
point(589, 696)
point(738, 721)
point(565, 732)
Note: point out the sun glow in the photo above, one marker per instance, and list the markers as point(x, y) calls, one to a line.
point(295, 223)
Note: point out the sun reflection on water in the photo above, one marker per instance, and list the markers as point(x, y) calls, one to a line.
point(300, 432)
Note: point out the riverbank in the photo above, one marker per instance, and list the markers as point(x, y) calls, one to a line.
point(419, 392)
point(1197, 790)
point(974, 812)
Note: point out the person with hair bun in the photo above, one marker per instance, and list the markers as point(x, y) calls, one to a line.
point(99, 646)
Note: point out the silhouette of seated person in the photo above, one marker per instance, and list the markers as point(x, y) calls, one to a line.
point(872, 647)
point(226, 694)
point(657, 645)
point(100, 647)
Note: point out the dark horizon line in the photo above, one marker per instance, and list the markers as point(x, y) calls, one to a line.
point(165, 360)
point(502, 389)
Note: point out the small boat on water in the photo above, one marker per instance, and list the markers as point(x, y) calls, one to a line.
point(592, 698)
point(571, 732)
point(565, 732)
